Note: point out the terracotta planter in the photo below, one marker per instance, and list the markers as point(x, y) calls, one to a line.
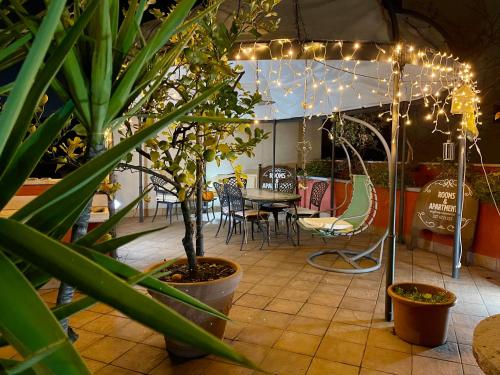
point(421, 323)
point(217, 294)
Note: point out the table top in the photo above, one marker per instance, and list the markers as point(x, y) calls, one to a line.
point(263, 195)
point(485, 345)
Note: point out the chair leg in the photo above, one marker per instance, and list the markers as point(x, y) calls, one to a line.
point(220, 223)
point(170, 209)
point(176, 213)
point(287, 220)
point(156, 211)
point(276, 224)
point(268, 234)
point(244, 236)
point(229, 230)
point(298, 231)
point(253, 238)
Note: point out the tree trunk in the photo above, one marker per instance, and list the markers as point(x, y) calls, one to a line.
point(66, 291)
point(187, 241)
point(200, 246)
point(112, 211)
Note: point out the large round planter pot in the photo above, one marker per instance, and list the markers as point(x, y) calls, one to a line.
point(421, 323)
point(216, 293)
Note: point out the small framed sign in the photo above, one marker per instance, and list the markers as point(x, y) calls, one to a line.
point(281, 172)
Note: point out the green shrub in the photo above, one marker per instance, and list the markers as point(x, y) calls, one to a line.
point(480, 186)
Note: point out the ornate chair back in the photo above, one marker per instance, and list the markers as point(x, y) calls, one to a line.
point(235, 198)
point(318, 191)
point(219, 188)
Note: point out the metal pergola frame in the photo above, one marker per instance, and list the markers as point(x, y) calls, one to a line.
point(393, 187)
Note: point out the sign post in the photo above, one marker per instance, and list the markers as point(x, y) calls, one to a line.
point(457, 238)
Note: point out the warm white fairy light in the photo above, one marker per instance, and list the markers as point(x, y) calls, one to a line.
point(439, 74)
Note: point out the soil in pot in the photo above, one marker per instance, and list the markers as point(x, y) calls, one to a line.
point(213, 284)
point(179, 273)
point(421, 312)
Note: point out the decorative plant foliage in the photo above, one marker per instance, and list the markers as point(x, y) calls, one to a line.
point(415, 295)
point(216, 132)
point(31, 251)
point(362, 138)
point(482, 189)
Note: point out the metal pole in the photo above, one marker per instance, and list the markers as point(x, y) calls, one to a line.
point(274, 152)
point(401, 221)
point(389, 276)
point(141, 187)
point(457, 238)
point(332, 178)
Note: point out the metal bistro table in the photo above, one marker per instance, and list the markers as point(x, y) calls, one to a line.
point(263, 196)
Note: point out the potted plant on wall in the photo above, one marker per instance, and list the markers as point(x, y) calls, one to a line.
point(216, 133)
point(421, 312)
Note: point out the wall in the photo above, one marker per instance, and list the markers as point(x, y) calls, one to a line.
point(288, 134)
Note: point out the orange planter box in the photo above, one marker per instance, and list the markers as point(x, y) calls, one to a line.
point(34, 189)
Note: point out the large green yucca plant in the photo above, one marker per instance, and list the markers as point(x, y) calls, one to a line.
point(107, 69)
point(31, 251)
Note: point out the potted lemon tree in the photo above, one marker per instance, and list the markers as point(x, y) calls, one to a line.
point(215, 133)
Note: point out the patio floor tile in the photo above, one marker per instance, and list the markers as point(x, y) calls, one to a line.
point(325, 299)
point(385, 360)
point(348, 332)
point(292, 294)
point(114, 370)
point(298, 343)
point(361, 318)
point(385, 338)
point(273, 319)
point(284, 306)
point(336, 350)
point(311, 310)
point(321, 367)
point(285, 363)
point(141, 358)
point(254, 301)
point(107, 349)
point(307, 325)
point(425, 366)
point(447, 352)
point(259, 335)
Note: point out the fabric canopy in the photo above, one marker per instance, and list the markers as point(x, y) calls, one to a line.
point(302, 88)
point(351, 20)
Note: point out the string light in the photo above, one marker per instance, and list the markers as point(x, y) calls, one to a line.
point(434, 79)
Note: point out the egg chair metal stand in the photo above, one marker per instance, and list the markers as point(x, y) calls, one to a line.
point(355, 219)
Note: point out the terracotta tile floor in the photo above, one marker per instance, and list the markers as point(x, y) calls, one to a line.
point(291, 318)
